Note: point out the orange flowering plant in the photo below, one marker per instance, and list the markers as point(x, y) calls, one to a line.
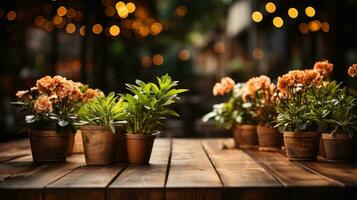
point(261, 93)
point(234, 111)
point(304, 98)
point(53, 103)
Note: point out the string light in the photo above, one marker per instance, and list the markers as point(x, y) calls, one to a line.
point(122, 10)
point(156, 28)
point(325, 27)
point(314, 25)
point(278, 22)
point(57, 20)
point(270, 7)
point(97, 29)
point(70, 28)
point(257, 16)
point(158, 59)
point(11, 15)
point(114, 30)
point(131, 7)
point(184, 55)
point(303, 27)
point(181, 11)
point(310, 11)
point(61, 11)
point(82, 30)
point(293, 13)
point(146, 61)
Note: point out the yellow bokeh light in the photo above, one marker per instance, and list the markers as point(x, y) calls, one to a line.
point(82, 30)
point(310, 11)
point(184, 55)
point(119, 5)
point(257, 16)
point(70, 28)
point(314, 25)
point(270, 7)
point(278, 22)
point(156, 28)
point(11, 15)
point(325, 27)
point(146, 61)
point(131, 7)
point(97, 29)
point(293, 13)
point(61, 11)
point(304, 28)
point(114, 30)
point(158, 59)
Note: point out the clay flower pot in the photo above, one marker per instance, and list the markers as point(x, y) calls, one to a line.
point(139, 148)
point(49, 146)
point(98, 144)
point(269, 138)
point(245, 136)
point(70, 145)
point(339, 147)
point(120, 145)
point(301, 145)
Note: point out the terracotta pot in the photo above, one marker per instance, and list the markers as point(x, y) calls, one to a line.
point(339, 147)
point(70, 145)
point(322, 152)
point(269, 138)
point(301, 145)
point(139, 148)
point(98, 143)
point(78, 143)
point(120, 145)
point(49, 146)
point(245, 136)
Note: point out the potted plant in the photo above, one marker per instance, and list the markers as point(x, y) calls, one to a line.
point(98, 120)
point(236, 113)
point(50, 114)
point(261, 92)
point(294, 118)
point(146, 109)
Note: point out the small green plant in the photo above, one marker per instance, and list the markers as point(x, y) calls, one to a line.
point(104, 111)
point(147, 106)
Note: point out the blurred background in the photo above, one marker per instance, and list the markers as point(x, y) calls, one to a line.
point(106, 43)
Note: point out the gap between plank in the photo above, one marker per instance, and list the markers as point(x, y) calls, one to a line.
point(210, 160)
point(168, 167)
point(106, 188)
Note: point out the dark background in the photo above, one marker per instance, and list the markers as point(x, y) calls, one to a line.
point(196, 42)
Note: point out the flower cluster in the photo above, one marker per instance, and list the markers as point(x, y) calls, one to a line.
point(261, 84)
point(54, 99)
point(352, 70)
point(323, 67)
point(225, 86)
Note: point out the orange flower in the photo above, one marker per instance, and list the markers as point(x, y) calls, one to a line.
point(227, 83)
point(284, 83)
point(323, 67)
point(352, 70)
point(90, 94)
point(43, 105)
point(45, 84)
point(311, 77)
point(23, 94)
point(218, 89)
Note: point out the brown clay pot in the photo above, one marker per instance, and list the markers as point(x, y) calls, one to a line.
point(120, 145)
point(269, 138)
point(245, 136)
point(139, 148)
point(70, 145)
point(49, 146)
point(301, 145)
point(339, 147)
point(98, 144)
point(78, 143)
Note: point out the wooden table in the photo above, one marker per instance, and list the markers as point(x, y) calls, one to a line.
point(179, 169)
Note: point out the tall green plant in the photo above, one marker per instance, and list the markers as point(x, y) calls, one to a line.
point(147, 106)
point(104, 111)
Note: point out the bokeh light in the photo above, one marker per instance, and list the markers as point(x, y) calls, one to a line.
point(270, 7)
point(257, 16)
point(278, 22)
point(114, 30)
point(181, 11)
point(325, 27)
point(184, 55)
point(310, 11)
point(258, 53)
point(304, 28)
point(70, 28)
point(131, 7)
point(158, 59)
point(11, 15)
point(61, 11)
point(82, 30)
point(97, 29)
point(293, 13)
point(146, 61)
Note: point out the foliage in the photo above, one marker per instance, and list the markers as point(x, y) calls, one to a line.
point(103, 111)
point(147, 106)
point(234, 111)
point(53, 103)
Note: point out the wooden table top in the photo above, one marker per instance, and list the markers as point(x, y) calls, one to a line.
point(178, 169)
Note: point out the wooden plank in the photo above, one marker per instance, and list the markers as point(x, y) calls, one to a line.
point(17, 165)
point(87, 182)
point(242, 177)
point(144, 181)
point(191, 174)
point(14, 149)
point(33, 181)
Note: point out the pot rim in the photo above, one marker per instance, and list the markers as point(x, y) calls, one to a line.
point(337, 136)
point(48, 133)
point(301, 134)
point(139, 136)
point(246, 126)
point(93, 127)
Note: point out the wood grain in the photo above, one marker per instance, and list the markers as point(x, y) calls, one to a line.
point(17, 165)
point(144, 181)
point(14, 149)
point(240, 173)
point(191, 173)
